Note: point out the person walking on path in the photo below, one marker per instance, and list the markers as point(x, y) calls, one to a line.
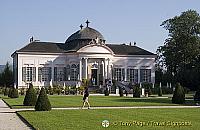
point(86, 98)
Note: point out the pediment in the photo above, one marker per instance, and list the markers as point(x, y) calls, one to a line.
point(96, 49)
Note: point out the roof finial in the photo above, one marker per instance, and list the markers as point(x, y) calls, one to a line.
point(87, 22)
point(31, 39)
point(81, 26)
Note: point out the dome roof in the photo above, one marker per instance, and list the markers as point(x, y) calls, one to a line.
point(85, 34)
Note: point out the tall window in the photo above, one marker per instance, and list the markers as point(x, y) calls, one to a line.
point(44, 73)
point(28, 74)
point(74, 72)
point(132, 75)
point(68, 72)
point(59, 73)
point(145, 75)
point(119, 74)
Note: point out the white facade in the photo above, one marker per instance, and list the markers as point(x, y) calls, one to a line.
point(94, 61)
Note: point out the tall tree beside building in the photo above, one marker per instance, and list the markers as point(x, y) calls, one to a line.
point(180, 53)
point(7, 76)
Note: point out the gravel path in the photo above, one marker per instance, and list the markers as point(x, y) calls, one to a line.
point(9, 119)
point(136, 107)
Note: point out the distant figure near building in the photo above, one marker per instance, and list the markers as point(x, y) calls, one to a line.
point(86, 98)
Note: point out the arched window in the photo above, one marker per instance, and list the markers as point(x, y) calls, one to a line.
point(74, 72)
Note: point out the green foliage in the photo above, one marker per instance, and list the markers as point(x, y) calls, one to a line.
point(6, 77)
point(10, 92)
point(179, 95)
point(57, 89)
point(1, 90)
point(43, 103)
point(51, 91)
point(159, 91)
point(6, 91)
point(106, 92)
point(22, 91)
point(180, 53)
point(121, 94)
point(47, 90)
point(30, 97)
point(148, 87)
point(14, 93)
point(136, 90)
point(197, 96)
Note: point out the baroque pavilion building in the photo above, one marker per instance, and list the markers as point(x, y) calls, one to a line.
point(84, 55)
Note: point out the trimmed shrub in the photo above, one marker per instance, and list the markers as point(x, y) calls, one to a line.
point(160, 91)
point(22, 91)
point(14, 93)
point(30, 97)
point(10, 92)
point(1, 90)
point(106, 92)
point(6, 91)
point(121, 94)
point(179, 95)
point(43, 103)
point(136, 90)
point(197, 96)
point(47, 90)
point(51, 91)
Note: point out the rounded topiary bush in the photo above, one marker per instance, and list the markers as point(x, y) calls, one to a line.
point(43, 103)
point(121, 94)
point(30, 97)
point(14, 93)
point(10, 92)
point(179, 95)
point(159, 91)
point(6, 91)
point(197, 96)
point(106, 92)
point(136, 90)
point(51, 91)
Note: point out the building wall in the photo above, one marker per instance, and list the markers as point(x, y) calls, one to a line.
point(61, 60)
point(28, 60)
point(135, 62)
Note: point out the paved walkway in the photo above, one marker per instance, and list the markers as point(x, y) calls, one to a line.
point(9, 119)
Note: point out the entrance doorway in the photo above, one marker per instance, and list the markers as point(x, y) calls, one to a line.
point(94, 77)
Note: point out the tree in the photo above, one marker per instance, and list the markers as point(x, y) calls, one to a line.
point(180, 53)
point(179, 95)
point(30, 97)
point(43, 103)
point(7, 76)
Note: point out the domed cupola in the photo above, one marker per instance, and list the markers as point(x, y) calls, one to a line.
point(85, 34)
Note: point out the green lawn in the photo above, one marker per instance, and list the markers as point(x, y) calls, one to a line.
point(92, 119)
point(76, 101)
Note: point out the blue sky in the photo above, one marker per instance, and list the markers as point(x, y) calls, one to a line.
point(119, 21)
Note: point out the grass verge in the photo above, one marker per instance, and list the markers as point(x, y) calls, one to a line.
point(126, 119)
point(76, 101)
